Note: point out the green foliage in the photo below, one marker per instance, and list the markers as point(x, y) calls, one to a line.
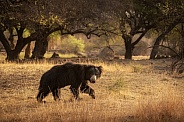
point(55, 35)
point(72, 45)
point(51, 20)
point(26, 33)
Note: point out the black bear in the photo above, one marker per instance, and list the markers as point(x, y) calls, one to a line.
point(76, 75)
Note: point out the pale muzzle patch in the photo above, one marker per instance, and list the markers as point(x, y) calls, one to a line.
point(93, 79)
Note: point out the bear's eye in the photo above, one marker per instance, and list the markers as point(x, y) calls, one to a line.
point(97, 72)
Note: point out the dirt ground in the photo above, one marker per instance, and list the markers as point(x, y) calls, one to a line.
point(128, 91)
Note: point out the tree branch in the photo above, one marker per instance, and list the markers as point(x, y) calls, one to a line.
point(4, 41)
point(165, 47)
point(140, 37)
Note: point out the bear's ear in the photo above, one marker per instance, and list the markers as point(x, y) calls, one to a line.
point(100, 68)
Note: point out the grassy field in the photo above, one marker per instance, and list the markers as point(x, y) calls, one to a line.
point(128, 91)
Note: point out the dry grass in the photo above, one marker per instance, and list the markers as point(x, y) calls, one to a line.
point(167, 106)
point(47, 55)
point(128, 91)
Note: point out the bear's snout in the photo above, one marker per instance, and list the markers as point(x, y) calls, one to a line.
point(93, 79)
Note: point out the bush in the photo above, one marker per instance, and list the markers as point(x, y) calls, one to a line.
point(71, 44)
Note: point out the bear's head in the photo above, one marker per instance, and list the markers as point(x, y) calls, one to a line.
point(93, 73)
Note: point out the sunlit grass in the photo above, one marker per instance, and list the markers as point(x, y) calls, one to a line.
point(127, 91)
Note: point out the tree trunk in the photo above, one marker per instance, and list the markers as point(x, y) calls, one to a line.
point(37, 49)
point(182, 43)
point(28, 51)
point(12, 55)
point(182, 48)
point(156, 46)
point(159, 38)
point(128, 48)
point(40, 48)
point(4, 41)
point(44, 47)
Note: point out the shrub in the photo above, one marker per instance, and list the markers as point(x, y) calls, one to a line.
point(71, 44)
point(117, 86)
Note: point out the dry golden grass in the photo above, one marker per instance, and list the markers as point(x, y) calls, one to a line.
point(167, 106)
point(131, 91)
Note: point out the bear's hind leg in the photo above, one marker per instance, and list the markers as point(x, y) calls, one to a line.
point(75, 92)
point(56, 94)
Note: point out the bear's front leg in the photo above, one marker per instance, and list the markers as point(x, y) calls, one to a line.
point(92, 93)
point(88, 90)
point(42, 94)
point(56, 94)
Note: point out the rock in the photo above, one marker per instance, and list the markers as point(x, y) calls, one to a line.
point(55, 55)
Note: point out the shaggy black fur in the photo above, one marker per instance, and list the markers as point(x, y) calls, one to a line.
point(75, 75)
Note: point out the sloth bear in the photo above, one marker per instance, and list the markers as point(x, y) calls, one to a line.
point(75, 75)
